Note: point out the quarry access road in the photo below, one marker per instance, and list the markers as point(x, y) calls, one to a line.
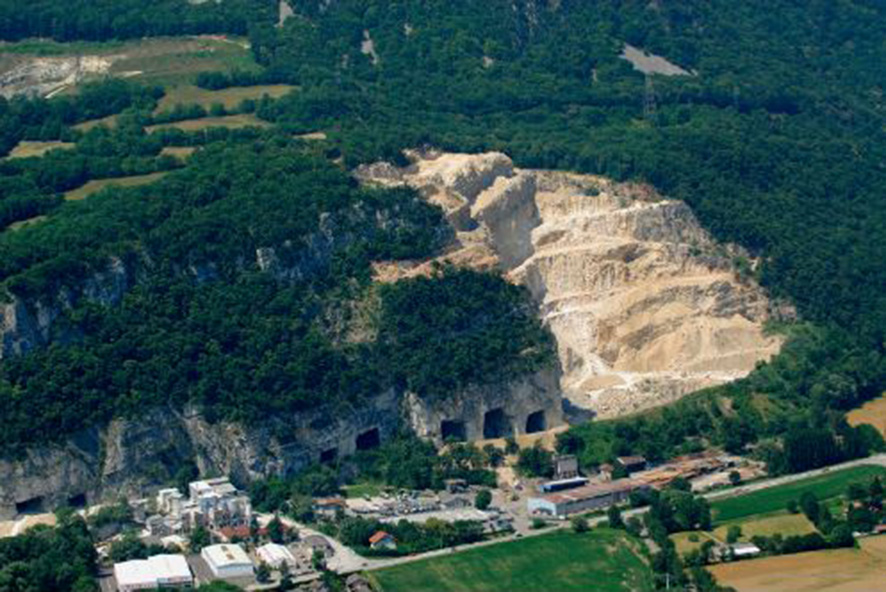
point(347, 561)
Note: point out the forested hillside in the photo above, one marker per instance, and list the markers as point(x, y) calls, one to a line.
point(100, 20)
point(774, 139)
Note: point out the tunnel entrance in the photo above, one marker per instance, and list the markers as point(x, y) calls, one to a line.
point(536, 422)
point(329, 456)
point(369, 440)
point(30, 506)
point(453, 430)
point(496, 424)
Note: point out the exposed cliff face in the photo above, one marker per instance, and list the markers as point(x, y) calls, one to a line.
point(644, 306)
point(138, 456)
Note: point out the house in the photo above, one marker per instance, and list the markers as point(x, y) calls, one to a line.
point(227, 561)
point(329, 506)
point(276, 555)
point(745, 550)
point(382, 541)
point(159, 571)
point(632, 464)
point(585, 499)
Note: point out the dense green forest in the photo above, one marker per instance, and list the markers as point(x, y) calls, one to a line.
point(775, 140)
point(204, 324)
point(44, 558)
point(99, 20)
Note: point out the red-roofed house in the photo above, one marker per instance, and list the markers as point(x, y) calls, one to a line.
point(383, 541)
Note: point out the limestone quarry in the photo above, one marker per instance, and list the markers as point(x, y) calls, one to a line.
point(644, 305)
point(46, 76)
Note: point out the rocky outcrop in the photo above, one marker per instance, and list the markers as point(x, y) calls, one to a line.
point(134, 457)
point(644, 306)
point(28, 324)
point(527, 405)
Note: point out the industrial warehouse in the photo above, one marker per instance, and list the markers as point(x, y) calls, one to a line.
point(586, 498)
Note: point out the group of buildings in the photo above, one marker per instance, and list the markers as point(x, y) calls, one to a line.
point(569, 493)
point(213, 503)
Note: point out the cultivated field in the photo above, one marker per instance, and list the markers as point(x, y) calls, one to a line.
point(229, 121)
point(838, 570)
point(188, 94)
point(602, 560)
point(99, 184)
point(28, 149)
point(872, 413)
point(784, 524)
point(775, 499)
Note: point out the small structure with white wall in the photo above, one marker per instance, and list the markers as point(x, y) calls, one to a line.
point(275, 555)
point(227, 561)
point(159, 571)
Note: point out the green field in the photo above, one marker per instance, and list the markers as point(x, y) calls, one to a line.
point(228, 121)
point(602, 560)
point(776, 498)
point(189, 94)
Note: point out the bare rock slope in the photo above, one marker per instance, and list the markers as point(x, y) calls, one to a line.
point(645, 307)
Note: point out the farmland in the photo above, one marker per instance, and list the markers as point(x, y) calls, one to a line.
point(99, 184)
point(29, 149)
point(602, 560)
point(839, 570)
point(872, 413)
point(775, 499)
point(188, 94)
point(228, 121)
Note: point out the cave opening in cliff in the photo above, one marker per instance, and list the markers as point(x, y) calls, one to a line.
point(536, 422)
point(369, 439)
point(453, 430)
point(77, 501)
point(496, 424)
point(33, 505)
point(329, 456)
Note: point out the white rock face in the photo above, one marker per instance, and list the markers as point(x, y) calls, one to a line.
point(644, 306)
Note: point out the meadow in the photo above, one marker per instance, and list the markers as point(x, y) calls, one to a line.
point(775, 499)
point(99, 184)
point(602, 560)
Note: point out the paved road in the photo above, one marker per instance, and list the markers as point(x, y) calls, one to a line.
point(347, 561)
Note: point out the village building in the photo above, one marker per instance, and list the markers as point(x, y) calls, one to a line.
point(275, 555)
point(632, 464)
point(382, 541)
point(159, 571)
point(227, 561)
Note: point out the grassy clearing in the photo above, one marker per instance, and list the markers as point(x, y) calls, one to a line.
point(229, 121)
point(109, 122)
point(684, 543)
point(839, 570)
point(872, 413)
point(188, 94)
point(99, 184)
point(23, 223)
point(29, 149)
point(784, 524)
point(775, 499)
point(48, 47)
point(180, 152)
point(363, 489)
point(602, 560)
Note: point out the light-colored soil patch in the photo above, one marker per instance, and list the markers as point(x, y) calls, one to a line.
point(180, 152)
point(312, 136)
point(840, 570)
point(649, 63)
point(230, 122)
point(188, 94)
point(29, 149)
point(18, 526)
point(872, 413)
point(783, 524)
point(99, 184)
